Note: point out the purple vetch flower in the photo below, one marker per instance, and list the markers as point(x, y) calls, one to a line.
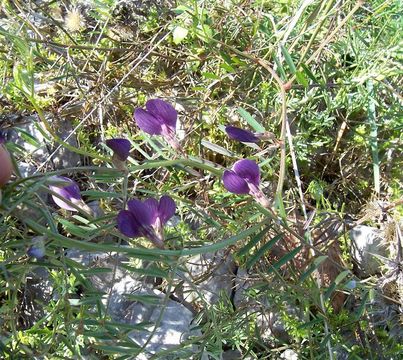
point(36, 252)
point(37, 249)
point(146, 219)
point(243, 135)
point(120, 147)
point(244, 178)
point(68, 190)
point(159, 118)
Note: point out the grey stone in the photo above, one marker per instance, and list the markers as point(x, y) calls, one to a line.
point(26, 169)
point(36, 294)
point(174, 326)
point(367, 246)
point(132, 301)
point(37, 144)
point(29, 135)
point(231, 355)
point(289, 354)
point(64, 158)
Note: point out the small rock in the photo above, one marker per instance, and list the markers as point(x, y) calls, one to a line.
point(289, 355)
point(37, 293)
point(37, 144)
point(132, 301)
point(367, 243)
point(173, 329)
point(231, 355)
point(64, 158)
point(30, 138)
point(26, 169)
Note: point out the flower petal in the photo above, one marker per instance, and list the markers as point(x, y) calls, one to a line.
point(234, 183)
point(166, 208)
point(248, 170)
point(141, 212)
point(161, 109)
point(36, 252)
point(67, 189)
point(127, 224)
point(147, 122)
point(121, 147)
point(152, 205)
point(239, 134)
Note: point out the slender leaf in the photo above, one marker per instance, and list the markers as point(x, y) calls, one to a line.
point(288, 60)
point(251, 120)
point(266, 247)
point(285, 259)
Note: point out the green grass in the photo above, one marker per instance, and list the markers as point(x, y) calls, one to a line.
point(332, 70)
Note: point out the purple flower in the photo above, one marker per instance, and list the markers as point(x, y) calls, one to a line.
point(69, 190)
point(242, 135)
point(146, 218)
point(159, 118)
point(36, 252)
point(120, 147)
point(244, 178)
point(37, 249)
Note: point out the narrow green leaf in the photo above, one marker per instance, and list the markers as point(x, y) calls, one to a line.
point(280, 68)
point(227, 67)
point(301, 78)
point(245, 250)
point(341, 276)
point(329, 291)
point(310, 323)
point(373, 136)
point(251, 120)
point(312, 268)
point(361, 309)
point(217, 148)
point(93, 194)
point(148, 254)
point(309, 73)
point(285, 259)
point(288, 60)
point(266, 247)
point(144, 298)
point(112, 349)
point(210, 75)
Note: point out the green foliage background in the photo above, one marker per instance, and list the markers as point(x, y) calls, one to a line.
point(91, 64)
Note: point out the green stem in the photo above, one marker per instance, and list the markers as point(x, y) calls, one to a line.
point(373, 137)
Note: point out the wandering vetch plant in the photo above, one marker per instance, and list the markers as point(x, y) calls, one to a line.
point(243, 135)
point(244, 178)
point(146, 219)
point(120, 147)
point(37, 249)
point(68, 190)
point(121, 150)
point(159, 118)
